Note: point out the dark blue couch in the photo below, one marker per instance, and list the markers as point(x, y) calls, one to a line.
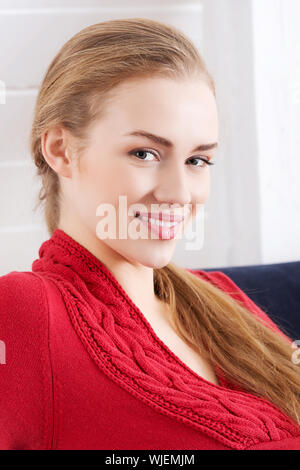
point(273, 287)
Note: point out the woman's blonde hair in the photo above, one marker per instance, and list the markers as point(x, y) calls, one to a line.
point(77, 85)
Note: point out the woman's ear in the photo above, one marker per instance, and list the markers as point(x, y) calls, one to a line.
point(56, 150)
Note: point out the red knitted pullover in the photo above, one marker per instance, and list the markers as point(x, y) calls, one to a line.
point(84, 369)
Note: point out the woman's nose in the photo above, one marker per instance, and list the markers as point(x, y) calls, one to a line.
point(172, 187)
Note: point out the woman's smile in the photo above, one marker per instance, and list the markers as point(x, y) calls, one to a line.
point(162, 228)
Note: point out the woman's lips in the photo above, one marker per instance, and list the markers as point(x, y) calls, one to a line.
point(162, 231)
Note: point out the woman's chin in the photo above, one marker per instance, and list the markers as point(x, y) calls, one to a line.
point(156, 261)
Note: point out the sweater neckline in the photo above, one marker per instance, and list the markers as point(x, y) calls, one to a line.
point(89, 260)
point(123, 344)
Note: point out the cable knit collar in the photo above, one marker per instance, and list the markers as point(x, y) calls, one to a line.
point(122, 343)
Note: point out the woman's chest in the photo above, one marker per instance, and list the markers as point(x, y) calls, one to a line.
point(191, 358)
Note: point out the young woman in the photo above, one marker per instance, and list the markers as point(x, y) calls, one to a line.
point(109, 345)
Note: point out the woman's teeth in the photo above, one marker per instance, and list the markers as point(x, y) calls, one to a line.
point(157, 222)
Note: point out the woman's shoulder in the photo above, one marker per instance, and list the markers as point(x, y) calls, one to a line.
point(23, 310)
point(20, 288)
point(22, 292)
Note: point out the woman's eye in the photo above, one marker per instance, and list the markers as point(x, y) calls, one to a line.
point(204, 162)
point(139, 154)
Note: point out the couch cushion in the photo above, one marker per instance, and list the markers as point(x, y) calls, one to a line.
point(273, 287)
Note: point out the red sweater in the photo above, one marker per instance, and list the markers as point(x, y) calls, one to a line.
point(85, 370)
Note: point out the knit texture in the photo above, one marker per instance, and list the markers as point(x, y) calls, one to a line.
point(122, 343)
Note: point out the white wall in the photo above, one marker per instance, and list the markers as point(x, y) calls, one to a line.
point(276, 36)
point(252, 49)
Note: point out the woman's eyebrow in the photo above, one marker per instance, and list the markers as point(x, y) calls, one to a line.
point(167, 143)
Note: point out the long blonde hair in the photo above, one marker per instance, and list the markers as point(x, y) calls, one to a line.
point(77, 85)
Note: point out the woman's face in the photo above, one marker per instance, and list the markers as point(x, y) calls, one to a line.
point(151, 175)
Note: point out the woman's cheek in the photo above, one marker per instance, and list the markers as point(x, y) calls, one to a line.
point(201, 190)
